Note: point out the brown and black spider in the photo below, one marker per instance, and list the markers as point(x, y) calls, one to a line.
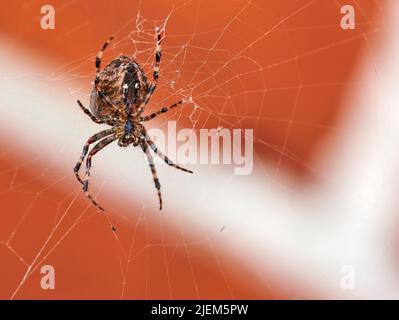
point(118, 98)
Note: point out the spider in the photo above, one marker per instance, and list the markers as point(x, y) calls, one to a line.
point(118, 98)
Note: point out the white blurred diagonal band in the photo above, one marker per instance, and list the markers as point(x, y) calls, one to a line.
point(302, 238)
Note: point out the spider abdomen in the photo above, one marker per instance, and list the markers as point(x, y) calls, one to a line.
point(121, 89)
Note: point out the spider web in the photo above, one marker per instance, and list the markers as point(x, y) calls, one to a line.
point(236, 66)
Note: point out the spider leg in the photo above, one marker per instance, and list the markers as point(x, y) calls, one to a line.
point(100, 55)
point(163, 110)
point(146, 150)
point(86, 111)
point(100, 145)
point(154, 148)
point(91, 140)
point(97, 79)
point(155, 75)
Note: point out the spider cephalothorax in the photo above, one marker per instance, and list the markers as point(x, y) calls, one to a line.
point(120, 93)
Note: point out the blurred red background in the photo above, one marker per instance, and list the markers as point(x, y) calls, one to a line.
point(300, 66)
